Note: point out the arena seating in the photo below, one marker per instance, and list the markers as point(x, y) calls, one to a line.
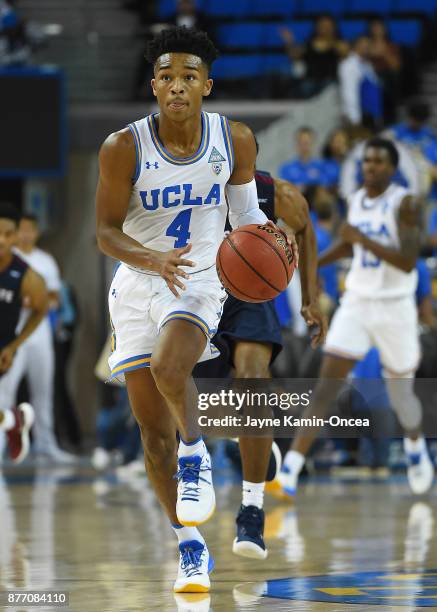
point(247, 29)
point(255, 35)
point(285, 9)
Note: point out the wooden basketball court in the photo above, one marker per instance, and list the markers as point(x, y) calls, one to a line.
point(359, 546)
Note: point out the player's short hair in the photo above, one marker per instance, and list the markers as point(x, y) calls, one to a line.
point(305, 129)
point(387, 145)
point(180, 39)
point(8, 211)
point(29, 217)
point(420, 111)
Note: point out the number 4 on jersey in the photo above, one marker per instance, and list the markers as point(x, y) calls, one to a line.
point(179, 228)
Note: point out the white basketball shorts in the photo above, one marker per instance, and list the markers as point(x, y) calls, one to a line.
point(140, 304)
point(390, 325)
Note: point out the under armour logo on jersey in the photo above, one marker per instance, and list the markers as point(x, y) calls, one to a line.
point(215, 156)
point(114, 293)
point(150, 164)
point(15, 274)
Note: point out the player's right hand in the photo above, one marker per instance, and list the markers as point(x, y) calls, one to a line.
point(6, 358)
point(168, 266)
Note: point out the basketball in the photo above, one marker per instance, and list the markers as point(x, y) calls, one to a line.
point(255, 263)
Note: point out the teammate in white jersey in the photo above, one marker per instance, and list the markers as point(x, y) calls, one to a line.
point(378, 309)
point(37, 360)
point(162, 193)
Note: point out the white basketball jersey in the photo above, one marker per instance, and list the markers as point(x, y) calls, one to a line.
point(369, 276)
point(179, 201)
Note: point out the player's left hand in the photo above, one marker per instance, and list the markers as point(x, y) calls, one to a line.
point(316, 320)
point(6, 358)
point(289, 235)
point(349, 233)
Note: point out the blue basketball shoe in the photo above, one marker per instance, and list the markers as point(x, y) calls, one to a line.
point(196, 498)
point(420, 469)
point(195, 565)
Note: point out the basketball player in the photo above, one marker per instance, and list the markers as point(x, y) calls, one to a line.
point(252, 337)
point(38, 353)
point(18, 282)
point(160, 200)
point(378, 309)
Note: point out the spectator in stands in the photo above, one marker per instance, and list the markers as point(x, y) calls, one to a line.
point(187, 14)
point(14, 45)
point(432, 232)
point(424, 295)
point(335, 152)
point(323, 207)
point(306, 169)
point(415, 133)
point(321, 54)
point(360, 91)
point(386, 59)
point(428, 322)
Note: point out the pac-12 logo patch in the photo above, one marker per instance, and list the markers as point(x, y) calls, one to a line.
point(216, 159)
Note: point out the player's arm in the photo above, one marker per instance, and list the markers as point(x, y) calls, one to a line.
point(426, 313)
point(291, 207)
point(34, 293)
point(409, 227)
point(337, 251)
point(53, 282)
point(241, 190)
point(117, 165)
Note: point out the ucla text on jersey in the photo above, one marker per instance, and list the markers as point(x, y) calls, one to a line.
point(169, 197)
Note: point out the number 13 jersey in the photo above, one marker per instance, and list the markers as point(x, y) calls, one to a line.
point(369, 276)
point(177, 201)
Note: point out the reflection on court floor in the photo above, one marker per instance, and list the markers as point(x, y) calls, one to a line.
point(343, 546)
point(367, 588)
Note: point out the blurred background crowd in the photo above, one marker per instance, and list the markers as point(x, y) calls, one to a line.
point(380, 57)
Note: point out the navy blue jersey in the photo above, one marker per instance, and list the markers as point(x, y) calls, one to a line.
point(11, 279)
point(265, 186)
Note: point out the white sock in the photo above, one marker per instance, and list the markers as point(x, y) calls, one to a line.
point(184, 534)
point(294, 461)
point(188, 449)
point(414, 447)
point(253, 493)
point(8, 421)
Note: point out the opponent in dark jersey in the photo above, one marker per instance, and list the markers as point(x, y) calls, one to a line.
point(249, 339)
point(11, 280)
point(19, 285)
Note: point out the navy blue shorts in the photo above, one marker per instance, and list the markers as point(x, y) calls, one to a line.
point(242, 321)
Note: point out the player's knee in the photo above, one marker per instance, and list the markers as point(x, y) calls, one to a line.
point(170, 377)
point(252, 360)
point(404, 402)
point(252, 370)
point(326, 391)
point(158, 447)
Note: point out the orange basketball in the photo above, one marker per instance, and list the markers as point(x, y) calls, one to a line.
point(255, 263)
